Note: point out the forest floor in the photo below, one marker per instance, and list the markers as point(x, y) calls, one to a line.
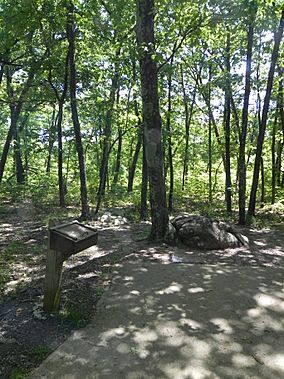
point(27, 334)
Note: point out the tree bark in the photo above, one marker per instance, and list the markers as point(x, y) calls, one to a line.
point(118, 158)
point(210, 114)
point(51, 140)
point(169, 138)
point(144, 186)
point(260, 140)
point(107, 132)
point(152, 118)
point(20, 171)
point(243, 132)
point(227, 127)
point(188, 117)
point(281, 113)
point(15, 109)
point(61, 101)
point(70, 29)
point(273, 162)
point(132, 168)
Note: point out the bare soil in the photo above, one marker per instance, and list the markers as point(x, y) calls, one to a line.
point(27, 334)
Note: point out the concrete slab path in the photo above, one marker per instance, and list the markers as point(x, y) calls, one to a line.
point(178, 321)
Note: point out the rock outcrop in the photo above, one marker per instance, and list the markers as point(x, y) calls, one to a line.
point(204, 233)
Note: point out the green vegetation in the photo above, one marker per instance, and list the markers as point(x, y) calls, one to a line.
point(72, 313)
point(222, 121)
point(19, 374)
point(40, 353)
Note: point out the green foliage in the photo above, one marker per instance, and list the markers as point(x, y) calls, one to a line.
point(32, 41)
point(40, 353)
point(72, 313)
point(18, 373)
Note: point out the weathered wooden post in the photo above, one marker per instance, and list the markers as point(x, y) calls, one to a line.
point(63, 241)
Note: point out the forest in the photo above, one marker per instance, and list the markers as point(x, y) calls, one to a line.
point(123, 114)
point(72, 125)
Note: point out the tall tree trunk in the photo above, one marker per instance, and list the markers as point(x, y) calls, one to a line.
point(132, 168)
point(61, 184)
point(262, 193)
point(15, 109)
point(188, 117)
point(51, 140)
point(209, 135)
point(144, 186)
point(70, 29)
point(107, 132)
point(151, 118)
point(243, 133)
point(169, 138)
point(273, 155)
point(118, 158)
point(20, 171)
point(214, 127)
point(273, 162)
point(257, 163)
point(281, 112)
point(227, 127)
point(61, 100)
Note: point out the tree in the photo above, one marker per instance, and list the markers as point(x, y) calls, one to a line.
point(151, 117)
point(262, 127)
point(243, 133)
point(70, 30)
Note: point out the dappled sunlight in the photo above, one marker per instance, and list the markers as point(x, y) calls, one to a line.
point(191, 322)
point(223, 324)
point(170, 320)
point(269, 301)
point(174, 287)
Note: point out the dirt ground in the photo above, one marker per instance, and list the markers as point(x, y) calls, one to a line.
point(27, 334)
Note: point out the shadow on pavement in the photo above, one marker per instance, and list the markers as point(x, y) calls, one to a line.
point(180, 321)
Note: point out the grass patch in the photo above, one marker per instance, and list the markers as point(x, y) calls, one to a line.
point(72, 313)
point(18, 373)
point(40, 353)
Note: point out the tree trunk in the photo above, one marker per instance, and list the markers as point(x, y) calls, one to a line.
point(169, 138)
point(257, 163)
point(281, 112)
point(19, 168)
point(144, 186)
point(61, 185)
point(151, 118)
point(243, 133)
point(227, 127)
point(262, 194)
point(132, 168)
point(209, 135)
point(118, 158)
point(15, 108)
point(188, 117)
point(70, 29)
point(273, 162)
point(51, 140)
point(107, 132)
point(61, 100)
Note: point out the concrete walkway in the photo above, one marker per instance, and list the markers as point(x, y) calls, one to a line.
point(178, 321)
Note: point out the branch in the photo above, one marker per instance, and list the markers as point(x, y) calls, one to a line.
point(177, 46)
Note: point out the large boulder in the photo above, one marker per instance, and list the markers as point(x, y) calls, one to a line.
point(204, 233)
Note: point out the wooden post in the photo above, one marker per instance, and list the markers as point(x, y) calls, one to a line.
point(53, 275)
point(63, 241)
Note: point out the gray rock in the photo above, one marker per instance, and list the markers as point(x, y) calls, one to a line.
point(171, 235)
point(204, 233)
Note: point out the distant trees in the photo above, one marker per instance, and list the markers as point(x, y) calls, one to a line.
point(201, 121)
